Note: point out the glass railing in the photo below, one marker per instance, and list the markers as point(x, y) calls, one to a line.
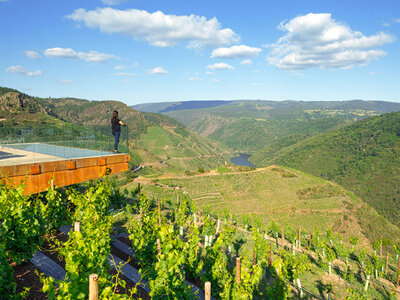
point(66, 141)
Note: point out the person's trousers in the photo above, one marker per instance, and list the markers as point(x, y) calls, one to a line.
point(116, 139)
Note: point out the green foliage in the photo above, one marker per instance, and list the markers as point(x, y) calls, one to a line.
point(297, 265)
point(7, 284)
point(354, 294)
point(167, 276)
point(222, 170)
point(86, 252)
point(22, 224)
point(54, 210)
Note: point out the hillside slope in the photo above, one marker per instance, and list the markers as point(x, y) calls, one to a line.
point(284, 195)
point(146, 132)
point(364, 157)
point(17, 108)
point(248, 126)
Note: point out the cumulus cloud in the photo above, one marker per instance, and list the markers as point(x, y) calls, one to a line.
point(195, 78)
point(246, 62)
point(397, 20)
point(215, 80)
point(22, 71)
point(220, 66)
point(157, 71)
point(113, 2)
point(32, 54)
point(239, 51)
point(317, 40)
point(91, 56)
point(157, 28)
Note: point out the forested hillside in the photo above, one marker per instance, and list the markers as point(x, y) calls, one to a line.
point(249, 126)
point(152, 137)
point(364, 157)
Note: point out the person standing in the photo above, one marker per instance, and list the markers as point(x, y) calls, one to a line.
point(116, 129)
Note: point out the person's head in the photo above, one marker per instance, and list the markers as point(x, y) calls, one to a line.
point(115, 114)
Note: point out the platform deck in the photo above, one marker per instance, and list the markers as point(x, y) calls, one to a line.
point(39, 166)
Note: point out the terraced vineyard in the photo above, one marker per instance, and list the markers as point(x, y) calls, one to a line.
point(280, 194)
point(172, 248)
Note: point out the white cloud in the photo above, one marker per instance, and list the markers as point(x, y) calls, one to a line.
point(125, 74)
point(21, 70)
point(246, 62)
point(65, 81)
point(32, 54)
point(209, 73)
point(113, 2)
point(157, 28)
point(397, 20)
point(91, 56)
point(317, 40)
point(256, 84)
point(157, 71)
point(195, 78)
point(215, 80)
point(123, 67)
point(220, 66)
point(236, 52)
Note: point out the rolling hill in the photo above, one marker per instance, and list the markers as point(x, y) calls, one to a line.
point(152, 137)
point(248, 126)
point(363, 157)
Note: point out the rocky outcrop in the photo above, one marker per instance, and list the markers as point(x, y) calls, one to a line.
point(14, 102)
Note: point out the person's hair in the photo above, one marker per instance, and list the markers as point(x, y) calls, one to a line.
point(114, 115)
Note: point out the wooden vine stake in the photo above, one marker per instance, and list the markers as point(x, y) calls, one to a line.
point(299, 238)
point(218, 225)
point(207, 290)
point(238, 270)
point(159, 247)
point(77, 226)
point(93, 287)
point(387, 262)
point(159, 212)
point(254, 255)
point(283, 233)
point(270, 257)
point(380, 250)
point(138, 188)
point(199, 211)
point(52, 184)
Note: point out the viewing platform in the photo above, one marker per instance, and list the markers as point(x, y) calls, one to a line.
point(58, 161)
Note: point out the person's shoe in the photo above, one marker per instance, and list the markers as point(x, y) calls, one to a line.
point(116, 151)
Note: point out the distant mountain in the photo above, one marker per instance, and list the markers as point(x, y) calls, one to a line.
point(173, 106)
point(364, 157)
point(250, 125)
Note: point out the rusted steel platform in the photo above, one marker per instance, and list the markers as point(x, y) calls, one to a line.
point(37, 171)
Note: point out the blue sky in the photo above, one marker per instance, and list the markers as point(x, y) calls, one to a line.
point(139, 51)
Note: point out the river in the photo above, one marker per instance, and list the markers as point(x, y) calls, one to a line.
point(242, 160)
